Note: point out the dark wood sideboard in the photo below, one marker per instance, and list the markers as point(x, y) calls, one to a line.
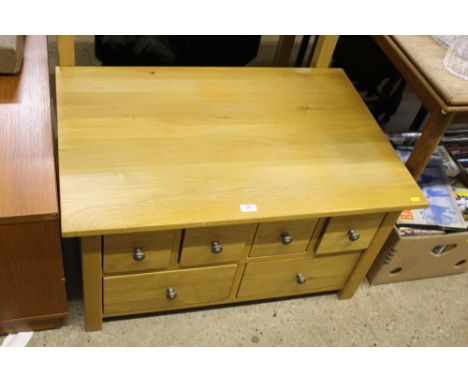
point(32, 283)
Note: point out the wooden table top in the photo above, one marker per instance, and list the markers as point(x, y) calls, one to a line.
point(428, 56)
point(27, 170)
point(159, 148)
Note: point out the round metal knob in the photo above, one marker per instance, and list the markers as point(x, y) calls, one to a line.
point(171, 293)
point(138, 254)
point(216, 247)
point(353, 235)
point(286, 238)
point(300, 278)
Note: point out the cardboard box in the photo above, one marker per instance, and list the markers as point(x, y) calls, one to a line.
point(11, 54)
point(418, 257)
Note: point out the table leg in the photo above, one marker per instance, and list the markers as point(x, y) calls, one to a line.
point(283, 50)
point(367, 258)
point(91, 256)
point(427, 143)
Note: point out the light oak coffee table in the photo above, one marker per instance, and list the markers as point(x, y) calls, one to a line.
point(192, 187)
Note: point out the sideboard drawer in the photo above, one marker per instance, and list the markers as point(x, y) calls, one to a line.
point(138, 251)
point(349, 233)
point(283, 237)
point(291, 276)
point(215, 245)
point(146, 292)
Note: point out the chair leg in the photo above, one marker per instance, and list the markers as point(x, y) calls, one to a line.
point(302, 51)
point(283, 50)
point(323, 51)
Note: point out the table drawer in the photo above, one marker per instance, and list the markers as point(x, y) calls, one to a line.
point(146, 292)
point(139, 251)
point(349, 233)
point(283, 237)
point(291, 276)
point(216, 245)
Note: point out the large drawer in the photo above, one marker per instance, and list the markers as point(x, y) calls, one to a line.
point(215, 245)
point(291, 276)
point(139, 251)
point(145, 292)
point(349, 233)
point(281, 238)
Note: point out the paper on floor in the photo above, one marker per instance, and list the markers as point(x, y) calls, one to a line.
point(18, 339)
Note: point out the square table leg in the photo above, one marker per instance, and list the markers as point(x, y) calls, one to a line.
point(367, 258)
point(91, 255)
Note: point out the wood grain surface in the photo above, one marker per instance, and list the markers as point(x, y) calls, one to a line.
point(268, 238)
point(27, 181)
point(197, 247)
point(161, 148)
point(278, 278)
point(91, 264)
point(157, 248)
point(428, 56)
point(148, 291)
point(32, 282)
point(335, 237)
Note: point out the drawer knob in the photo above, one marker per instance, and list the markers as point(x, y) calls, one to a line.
point(300, 278)
point(138, 254)
point(286, 238)
point(171, 293)
point(216, 247)
point(353, 235)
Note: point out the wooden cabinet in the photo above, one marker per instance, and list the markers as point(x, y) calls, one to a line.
point(32, 284)
point(279, 181)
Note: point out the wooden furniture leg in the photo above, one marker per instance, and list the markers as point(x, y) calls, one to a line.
point(92, 281)
point(367, 258)
point(66, 50)
point(432, 134)
point(324, 48)
point(283, 50)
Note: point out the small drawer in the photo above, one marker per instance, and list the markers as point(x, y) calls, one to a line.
point(349, 233)
point(283, 237)
point(145, 292)
point(216, 245)
point(291, 276)
point(139, 251)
